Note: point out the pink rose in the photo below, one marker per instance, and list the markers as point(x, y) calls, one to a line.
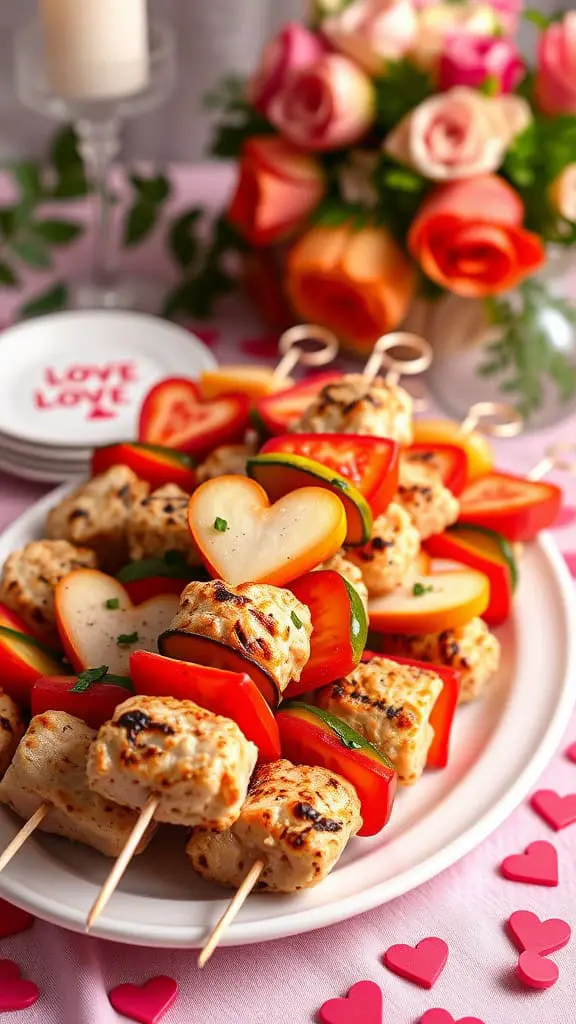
point(458, 134)
point(556, 74)
point(291, 50)
point(563, 193)
point(508, 13)
point(438, 21)
point(373, 31)
point(471, 60)
point(326, 106)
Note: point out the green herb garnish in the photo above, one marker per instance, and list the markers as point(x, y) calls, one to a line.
point(113, 603)
point(88, 677)
point(220, 524)
point(297, 622)
point(126, 639)
point(419, 589)
point(342, 484)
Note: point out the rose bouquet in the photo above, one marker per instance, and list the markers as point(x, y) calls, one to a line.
point(395, 150)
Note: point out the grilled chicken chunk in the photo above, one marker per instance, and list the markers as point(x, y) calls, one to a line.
point(229, 458)
point(159, 523)
point(353, 406)
point(50, 766)
point(342, 564)
point(472, 649)
point(266, 623)
point(196, 763)
point(390, 552)
point(390, 705)
point(430, 505)
point(30, 576)
point(12, 729)
point(297, 820)
point(97, 515)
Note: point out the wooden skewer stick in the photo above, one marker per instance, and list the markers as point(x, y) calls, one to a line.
point(292, 352)
point(380, 359)
point(21, 836)
point(111, 883)
point(231, 911)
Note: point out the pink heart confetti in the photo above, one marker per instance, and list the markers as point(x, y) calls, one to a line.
point(538, 865)
point(362, 1005)
point(571, 752)
point(536, 936)
point(422, 964)
point(536, 971)
point(570, 560)
point(558, 811)
point(146, 1003)
point(13, 920)
point(15, 993)
point(443, 1017)
point(566, 517)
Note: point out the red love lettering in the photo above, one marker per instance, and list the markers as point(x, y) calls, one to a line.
point(128, 373)
point(118, 396)
point(51, 378)
point(40, 402)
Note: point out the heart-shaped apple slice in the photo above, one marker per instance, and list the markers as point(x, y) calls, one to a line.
point(99, 625)
point(242, 538)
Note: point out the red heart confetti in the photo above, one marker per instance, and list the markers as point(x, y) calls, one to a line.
point(146, 1003)
point(536, 936)
point(422, 964)
point(15, 993)
point(566, 517)
point(538, 865)
point(571, 563)
point(362, 1005)
point(571, 752)
point(13, 920)
point(443, 1017)
point(558, 811)
point(536, 971)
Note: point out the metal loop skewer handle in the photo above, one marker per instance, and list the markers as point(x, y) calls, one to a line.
point(292, 351)
point(555, 459)
point(397, 368)
point(496, 419)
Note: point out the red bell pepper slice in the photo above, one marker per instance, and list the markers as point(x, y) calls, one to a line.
point(339, 628)
point(442, 716)
point(156, 464)
point(449, 460)
point(276, 413)
point(175, 416)
point(370, 463)
point(94, 705)
point(23, 657)
point(231, 694)
point(511, 505)
point(309, 735)
point(484, 550)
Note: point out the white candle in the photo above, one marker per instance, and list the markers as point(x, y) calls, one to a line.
point(95, 49)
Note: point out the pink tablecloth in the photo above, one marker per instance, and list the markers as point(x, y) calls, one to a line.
point(289, 980)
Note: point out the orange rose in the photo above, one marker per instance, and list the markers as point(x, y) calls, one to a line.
point(358, 283)
point(279, 187)
point(468, 237)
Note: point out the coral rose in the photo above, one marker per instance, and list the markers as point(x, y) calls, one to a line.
point(357, 282)
point(473, 60)
point(556, 74)
point(373, 31)
point(278, 188)
point(291, 50)
point(468, 237)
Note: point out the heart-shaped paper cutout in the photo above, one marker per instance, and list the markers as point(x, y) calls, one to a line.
point(242, 538)
point(536, 971)
point(146, 1003)
point(571, 752)
point(538, 865)
point(362, 1005)
point(443, 1017)
point(13, 920)
point(543, 937)
point(558, 811)
point(15, 993)
point(422, 964)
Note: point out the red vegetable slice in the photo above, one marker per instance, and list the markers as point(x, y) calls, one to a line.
point(156, 464)
point(309, 735)
point(511, 505)
point(278, 412)
point(231, 694)
point(484, 550)
point(448, 459)
point(370, 463)
point(94, 705)
point(339, 628)
point(23, 658)
point(173, 415)
point(201, 650)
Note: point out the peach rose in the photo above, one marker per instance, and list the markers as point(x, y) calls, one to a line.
point(563, 193)
point(468, 237)
point(458, 134)
point(358, 283)
point(373, 31)
point(278, 188)
point(556, 74)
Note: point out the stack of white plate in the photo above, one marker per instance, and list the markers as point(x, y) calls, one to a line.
point(73, 381)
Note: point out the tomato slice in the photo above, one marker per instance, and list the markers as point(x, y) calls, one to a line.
point(511, 505)
point(489, 553)
point(369, 463)
point(231, 694)
point(309, 735)
point(173, 415)
point(156, 464)
point(95, 705)
point(276, 413)
point(448, 459)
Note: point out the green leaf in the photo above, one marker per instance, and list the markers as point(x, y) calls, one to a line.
point(533, 15)
point(64, 154)
point(490, 86)
point(140, 222)
point(402, 87)
point(56, 232)
point(7, 276)
point(27, 176)
point(154, 190)
point(88, 677)
point(50, 301)
point(182, 238)
point(7, 222)
point(403, 180)
point(32, 251)
point(72, 185)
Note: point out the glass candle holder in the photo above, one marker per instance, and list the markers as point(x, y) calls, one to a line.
point(98, 124)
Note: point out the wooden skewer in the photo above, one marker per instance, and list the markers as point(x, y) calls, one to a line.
point(292, 353)
point(111, 883)
point(231, 911)
point(21, 836)
point(496, 419)
point(418, 362)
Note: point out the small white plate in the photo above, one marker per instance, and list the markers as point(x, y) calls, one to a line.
point(78, 379)
point(500, 747)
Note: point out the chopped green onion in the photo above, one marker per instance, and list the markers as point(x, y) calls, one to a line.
point(297, 622)
point(88, 677)
point(419, 589)
point(112, 603)
point(220, 524)
point(127, 638)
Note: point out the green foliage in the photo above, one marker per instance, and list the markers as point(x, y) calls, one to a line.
point(143, 214)
point(50, 301)
point(401, 192)
point(207, 276)
point(401, 89)
point(236, 120)
point(68, 169)
point(183, 241)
